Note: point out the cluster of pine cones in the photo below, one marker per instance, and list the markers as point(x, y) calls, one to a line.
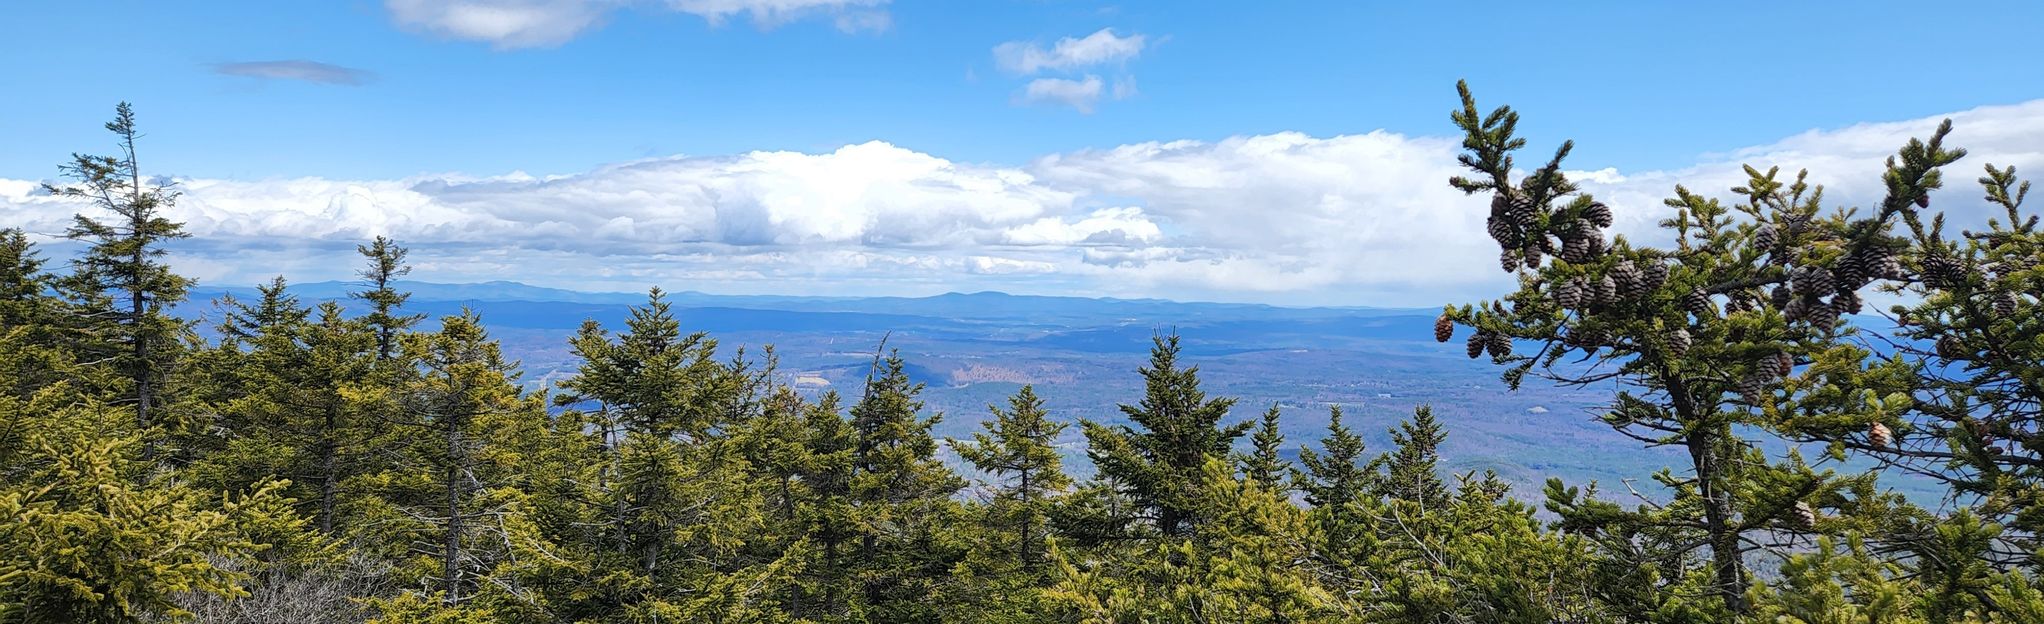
point(1819, 294)
point(1514, 224)
point(1767, 369)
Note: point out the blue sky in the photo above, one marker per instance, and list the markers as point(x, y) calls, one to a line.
point(406, 90)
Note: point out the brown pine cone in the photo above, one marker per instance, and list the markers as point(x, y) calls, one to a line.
point(1509, 260)
point(1499, 345)
point(1656, 274)
point(1598, 214)
point(1765, 238)
point(1783, 364)
point(1607, 291)
point(1476, 344)
point(1951, 348)
point(1879, 435)
point(1678, 342)
point(1629, 280)
point(1569, 293)
point(1697, 303)
point(1443, 329)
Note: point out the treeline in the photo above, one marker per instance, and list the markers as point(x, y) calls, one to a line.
point(315, 463)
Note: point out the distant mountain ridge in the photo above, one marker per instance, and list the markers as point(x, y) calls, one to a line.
point(985, 305)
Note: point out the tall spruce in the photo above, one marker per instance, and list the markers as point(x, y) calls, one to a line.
point(1337, 473)
point(1264, 464)
point(903, 496)
point(1019, 449)
point(121, 286)
point(386, 264)
point(1411, 471)
point(1160, 465)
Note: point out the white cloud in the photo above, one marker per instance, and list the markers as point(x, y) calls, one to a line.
point(1082, 93)
point(1099, 48)
point(508, 24)
point(1352, 219)
point(301, 70)
point(1078, 94)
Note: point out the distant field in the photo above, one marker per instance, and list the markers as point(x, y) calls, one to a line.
point(1082, 354)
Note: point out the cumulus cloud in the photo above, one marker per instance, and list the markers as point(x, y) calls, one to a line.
point(1364, 219)
point(508, 24)
point(301, 70)
point(1082, 95)
point(1100, 48)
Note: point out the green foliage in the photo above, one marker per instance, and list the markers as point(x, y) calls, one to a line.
point(1160, 466)
point(313, 465)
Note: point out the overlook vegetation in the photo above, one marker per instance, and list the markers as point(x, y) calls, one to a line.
point(316, 465)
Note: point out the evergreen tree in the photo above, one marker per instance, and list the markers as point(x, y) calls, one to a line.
point(451, 498)
point(1336, 474)
point(386, 266)
point(902, 495)
point(120, 284)
point(1700, 375)
point(1019, 448)
point(29, 319)
point(85, 538)
point(1263, 465)
point(1160, 465)
point(1410, 472)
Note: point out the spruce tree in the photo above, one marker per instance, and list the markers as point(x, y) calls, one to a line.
point(1019, 449)
point(386, 264)
point(120, 284)
point(902, 495)
point(1410, 472)
point(1338, 473)
point(1160, 465)
point(1263, 465)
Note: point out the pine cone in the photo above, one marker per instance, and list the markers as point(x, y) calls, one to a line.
point(1504, 233)
point(1923, 201)
point(1951, 348)
point(1806, 517)
point(1765, 238)
point(1813, 281)
point(1443, 329)
point(1569, 294)
point(1779, 296)
point(1500, 203)
point(1499, 345)
point(2004, 305)
point(1477, 342)
point(1822, 316)
point(1598, 214)
point(1796, 310)
point(1678, 342)
point(1851, 272)
point(1848, 302)
point(1656, 275)
point(1607, 291)
point(1509, 260)
point(1697, 303)
point(1942, 271)
point(1887, 266)
point(1532, 254)
point(1632, 282)
point(1750, 388)
point(1783, 364)
point(1575, 249)
point(1879, 435)
point(1523, 211)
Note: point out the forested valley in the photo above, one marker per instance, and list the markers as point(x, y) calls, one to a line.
point(314, 462)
